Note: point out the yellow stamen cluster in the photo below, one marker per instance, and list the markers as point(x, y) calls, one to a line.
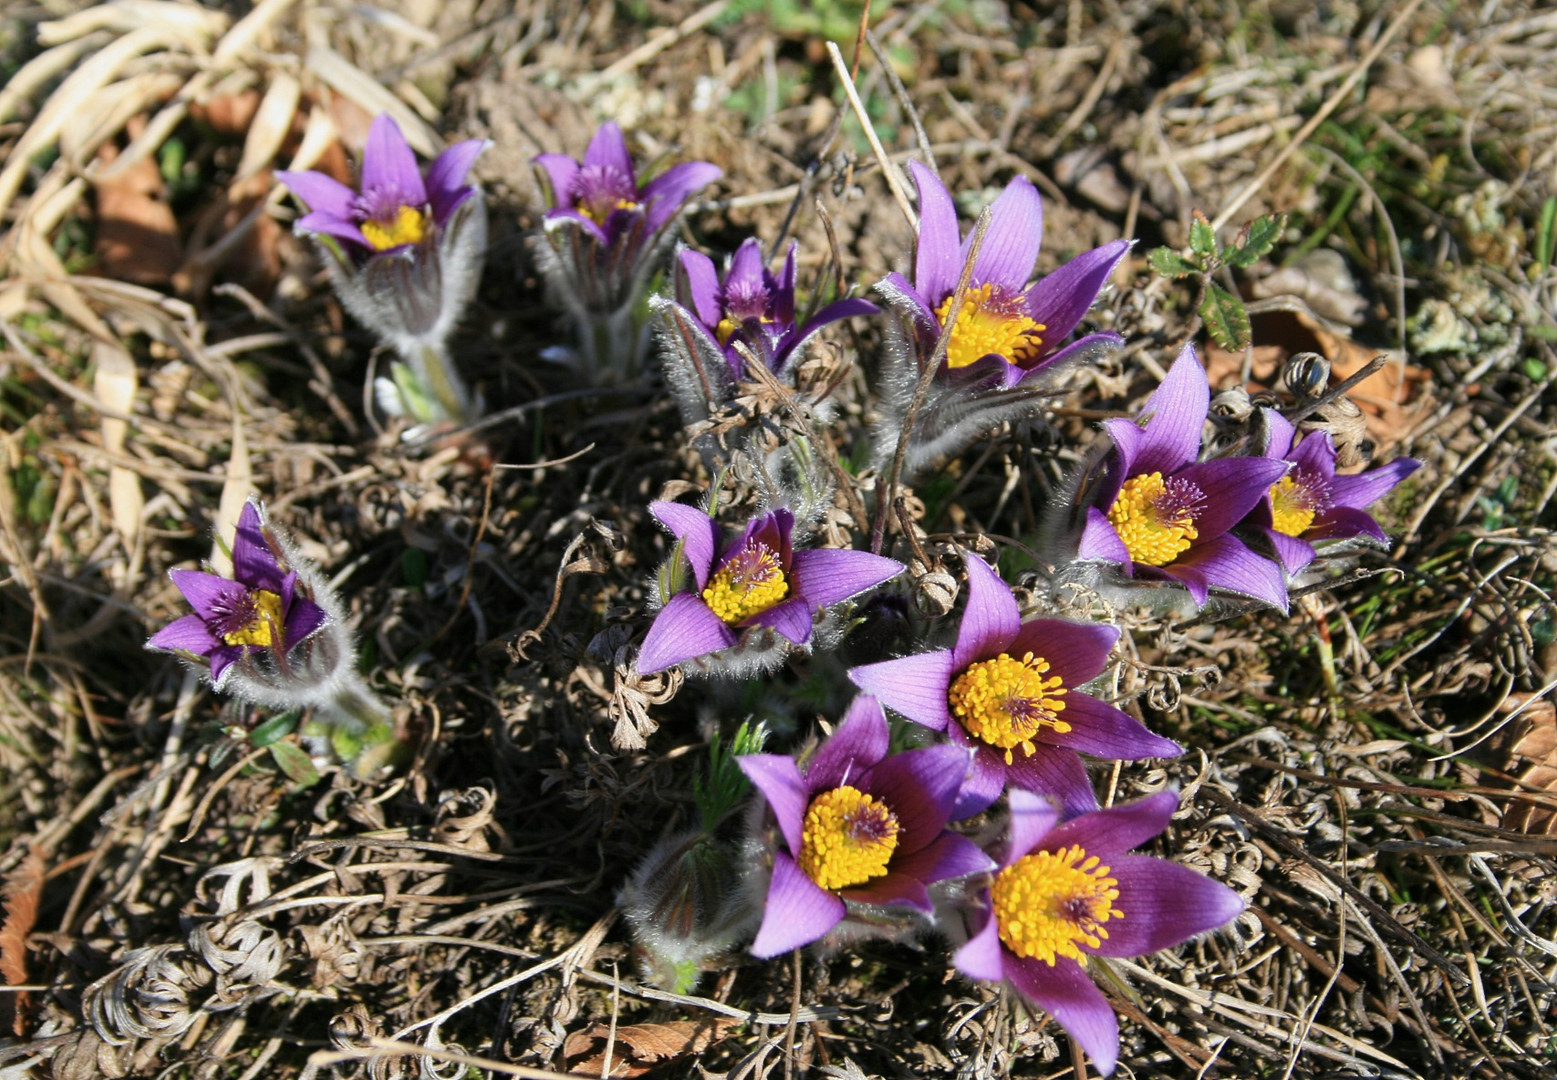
point(261, 629)
point(1049, 904)
point(409, 226)
point(1005, 701)
point(1292, 508)
point(848, 838)
point(600, 214)
point(1152, 535)
point(991, 323)
point(747, 585)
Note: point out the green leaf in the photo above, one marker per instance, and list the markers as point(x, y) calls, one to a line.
point(1257, 239)
point(1227, 320)
point(1202, 238)
point(277, 727)
point(1170, 264)
point(295, 762)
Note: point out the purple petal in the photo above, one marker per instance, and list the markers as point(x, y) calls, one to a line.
point(1011, 244)
point(1279, 434)
point(747, 274)
point(1088, 345)
point(608, 150)
point(786, 791)
point(697, 532)
point(667, 193)
point(1192, 577)
point(1175, 414)
point(892, 888)
point(986, 777)
point(1032, 817)
point(253, 563)
point(1232, 487)
point(792, 618)
point(561, 171)
point(906, 300)
point(1367, 488)
point(1316, 453)
point(222, 658)
point(322, 224)
point(700, 286)
point(388, 163)
point(799, 335)
point(920, 786)
point(1060, 300)
point(1066, 993)
point(982, 957)
point(446, 187)
point(1227, 563)
point(320, 193)
point(303, 620)
point(945, 858)
point(1101, 730)
point(685, 627)
point(828, 576)
point(209, 595)
point(187, 634)
point(857, 744)
point(797, 913)
point(1343, 522)
point(1117, 829)
point(1100, 540)
point(1295, 554)
point(991, 619)
point(1163, 904)
point(912, 685)
point(1076, 652)
point(937, 256)
point(1055, 772)
point(1128, 438)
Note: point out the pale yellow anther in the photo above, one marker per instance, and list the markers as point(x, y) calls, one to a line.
point(1005, 702)
point(261, 629)
point(409, 226)
point(848, 838)
point(1050, 904)
point(989, 322)
point(1155, 530)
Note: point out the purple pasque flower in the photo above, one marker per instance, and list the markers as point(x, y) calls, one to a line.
point(260, 609)
point(405, 257)
point(1311, 503)
point(1004, 324)
point(397, 207)
point(860, 827)
point(1064, 893)
point(601, 193)
point(1158, 513)
point(759, 581)
point(1010, 691)
point(752, 306)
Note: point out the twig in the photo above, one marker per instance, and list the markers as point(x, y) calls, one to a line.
point(889, 170)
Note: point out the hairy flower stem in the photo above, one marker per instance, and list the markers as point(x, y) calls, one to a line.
point(439, 378)
point(886, 487)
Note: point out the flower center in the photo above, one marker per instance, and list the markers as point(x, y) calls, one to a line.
point(599, 191)
point(1052, 903)
point(1156, 518)
point(408, 227)
point(991, 322)
point(1005, 702)
point(848, 838)
point(1295, 500)
point(749, 584)
point(251, 619)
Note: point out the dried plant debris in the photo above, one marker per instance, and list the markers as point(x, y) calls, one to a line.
point(1018, 546)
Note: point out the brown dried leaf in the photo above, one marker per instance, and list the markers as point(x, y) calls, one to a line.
point(137, 234)
point(1535, 750)
point(23, 890)
point(640, 1047)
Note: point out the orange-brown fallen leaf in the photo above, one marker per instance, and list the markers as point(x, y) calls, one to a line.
point(23, 890)
point(137, 234)
point(1534, 752)
point(639, 1047)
